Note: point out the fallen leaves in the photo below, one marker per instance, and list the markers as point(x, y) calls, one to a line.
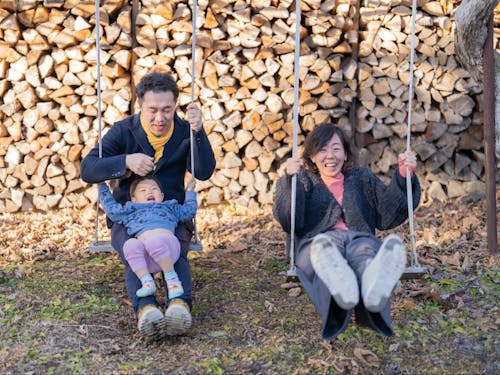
point(459, 261)
point(245, 257)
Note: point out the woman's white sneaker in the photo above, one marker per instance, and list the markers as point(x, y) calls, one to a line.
point(382, 274)
point(333, 269)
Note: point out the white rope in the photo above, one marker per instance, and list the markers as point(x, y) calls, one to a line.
point(193, 67)
point(409, 194)
point(99, 116)
point(295, 132)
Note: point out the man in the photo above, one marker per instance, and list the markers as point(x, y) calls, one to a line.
point(154, 142)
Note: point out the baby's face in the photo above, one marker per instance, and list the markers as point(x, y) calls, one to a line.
point(147, 191)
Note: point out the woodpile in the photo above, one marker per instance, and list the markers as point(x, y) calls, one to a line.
point(48, 110)
point(446, 112)
point(354, 70)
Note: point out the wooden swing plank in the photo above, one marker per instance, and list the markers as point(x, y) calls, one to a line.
point(413, 272)
point(100, 246)
point(105, 246)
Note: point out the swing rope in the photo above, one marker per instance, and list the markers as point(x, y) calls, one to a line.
point(415, 266)
point(99, 110)
point(292, 271)
point(196, 244)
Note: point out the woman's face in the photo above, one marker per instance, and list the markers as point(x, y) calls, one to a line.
point(330, 159)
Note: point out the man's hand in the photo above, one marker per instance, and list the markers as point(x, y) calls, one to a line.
point(193, 115)
point(140, 164)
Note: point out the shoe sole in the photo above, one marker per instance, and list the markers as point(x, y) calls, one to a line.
point(332, 268)
point(178, 320)
point(383, 273)
point(153, 325)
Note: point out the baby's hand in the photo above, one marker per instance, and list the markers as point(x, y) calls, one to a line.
point(191, 184)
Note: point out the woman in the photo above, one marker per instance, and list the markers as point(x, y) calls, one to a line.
point(340, 262)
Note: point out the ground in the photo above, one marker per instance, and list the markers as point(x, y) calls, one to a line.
point(64, 310)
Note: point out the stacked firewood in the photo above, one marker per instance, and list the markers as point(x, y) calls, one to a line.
point(49, 108)
point(354, 71)
point(446, 114)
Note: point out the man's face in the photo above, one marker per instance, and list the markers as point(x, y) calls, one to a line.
point(158, 109)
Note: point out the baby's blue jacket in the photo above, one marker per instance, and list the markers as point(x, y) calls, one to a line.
point(140, 217)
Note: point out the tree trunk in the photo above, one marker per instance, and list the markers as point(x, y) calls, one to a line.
point(471, 20)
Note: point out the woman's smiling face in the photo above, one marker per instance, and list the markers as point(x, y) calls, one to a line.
point(330, 158)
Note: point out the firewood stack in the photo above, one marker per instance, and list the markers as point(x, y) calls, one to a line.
point(446, 116)
point(354, 71)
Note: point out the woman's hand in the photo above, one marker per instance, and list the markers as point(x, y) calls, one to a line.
point(293, 166)
point(407, 160)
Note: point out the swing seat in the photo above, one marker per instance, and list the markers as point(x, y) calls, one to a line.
point(196, 246)
point(105, 246)
point(100, 246)
point(291, 273)
point(415, 271)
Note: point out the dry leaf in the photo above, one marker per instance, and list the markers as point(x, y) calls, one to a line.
point(408, 304)
point(456, 259)
point(294, 292)
point(467, 263)
point(394, 347)
point(453, 260)
point(269, 306)
point(367, 357)
point(429, 236)
point(317, 363)
point(239, 246)
point(470, 222)
point(289, 285)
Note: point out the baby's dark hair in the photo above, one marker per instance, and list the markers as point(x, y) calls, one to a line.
point(319, 137)
point(156, 82)
point(138, 180)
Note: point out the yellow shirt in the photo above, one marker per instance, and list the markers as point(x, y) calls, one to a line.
point(157, 143)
